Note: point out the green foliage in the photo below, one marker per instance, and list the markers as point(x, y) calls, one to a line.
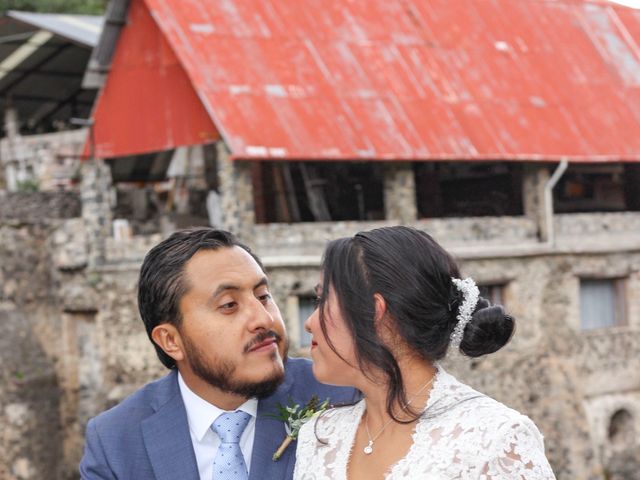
point(94, 279)
point(90, 7)
point(30, 185)
point(294, 417)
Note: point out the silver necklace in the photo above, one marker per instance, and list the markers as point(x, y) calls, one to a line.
point(368, 450)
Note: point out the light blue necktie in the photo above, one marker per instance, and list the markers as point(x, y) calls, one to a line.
point(229, 463)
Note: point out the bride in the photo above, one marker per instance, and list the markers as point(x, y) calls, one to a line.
point(391, 304)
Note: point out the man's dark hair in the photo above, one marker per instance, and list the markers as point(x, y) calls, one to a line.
point(162, 284)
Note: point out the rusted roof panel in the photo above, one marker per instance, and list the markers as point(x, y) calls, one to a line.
point(414, 80)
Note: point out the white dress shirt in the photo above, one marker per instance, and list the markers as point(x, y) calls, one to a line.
point(201, 414)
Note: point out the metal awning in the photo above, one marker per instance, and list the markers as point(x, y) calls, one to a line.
point(81, 29)
point(42, 61)
point(386, 79)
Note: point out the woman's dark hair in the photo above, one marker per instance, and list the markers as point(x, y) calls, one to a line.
point(413, 274)
point(162, 285)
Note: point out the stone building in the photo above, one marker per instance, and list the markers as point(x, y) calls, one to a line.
point(74, 344)
point(544, 216)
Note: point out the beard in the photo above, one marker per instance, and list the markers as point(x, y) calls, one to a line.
point(220, 373)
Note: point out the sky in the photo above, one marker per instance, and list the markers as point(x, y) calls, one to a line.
point(628, 3)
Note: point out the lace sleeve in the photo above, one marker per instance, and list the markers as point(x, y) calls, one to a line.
point(519, 454)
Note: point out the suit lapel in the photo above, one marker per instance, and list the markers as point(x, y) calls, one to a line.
point(166, 435)
point(269, 435)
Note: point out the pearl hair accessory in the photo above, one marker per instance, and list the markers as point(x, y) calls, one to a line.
point(471, 294)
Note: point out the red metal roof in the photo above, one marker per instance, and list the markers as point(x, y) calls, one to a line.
point(148, 103)
point(414, 80)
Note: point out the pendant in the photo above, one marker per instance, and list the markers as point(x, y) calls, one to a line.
point(368, 450)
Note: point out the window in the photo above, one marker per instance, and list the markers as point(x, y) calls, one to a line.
point(306, 306)
point(493, 292)
point(621, 430)
point(602, 303)
point(598, 188)
point(292, 192)
point(468, 189)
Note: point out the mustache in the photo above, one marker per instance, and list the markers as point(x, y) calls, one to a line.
point(261, 337)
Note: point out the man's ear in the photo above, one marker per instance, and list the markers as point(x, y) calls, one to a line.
point(168, 338)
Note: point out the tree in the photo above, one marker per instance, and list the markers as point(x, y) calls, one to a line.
point(90, 7)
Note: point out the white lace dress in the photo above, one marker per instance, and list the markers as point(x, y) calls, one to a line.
point(462, 435)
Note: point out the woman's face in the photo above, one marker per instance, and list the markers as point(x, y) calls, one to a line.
point(328, 367)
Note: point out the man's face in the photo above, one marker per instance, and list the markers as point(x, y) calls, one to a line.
point(232, 331)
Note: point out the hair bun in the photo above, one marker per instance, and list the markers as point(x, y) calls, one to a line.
point(489, 330)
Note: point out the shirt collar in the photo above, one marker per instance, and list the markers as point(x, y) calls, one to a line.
point(201, 414)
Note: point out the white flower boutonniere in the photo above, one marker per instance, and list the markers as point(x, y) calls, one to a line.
point(294, 417)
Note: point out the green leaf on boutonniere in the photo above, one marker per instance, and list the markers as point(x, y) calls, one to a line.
point(294, 417)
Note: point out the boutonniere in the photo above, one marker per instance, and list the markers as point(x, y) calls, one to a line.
point(294, 417)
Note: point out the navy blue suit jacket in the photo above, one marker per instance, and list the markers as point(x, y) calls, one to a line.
point(146, 437)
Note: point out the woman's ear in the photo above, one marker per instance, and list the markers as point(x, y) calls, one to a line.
point(385, 325)
point(381, 307)
point(168, 338)
point(383, 322)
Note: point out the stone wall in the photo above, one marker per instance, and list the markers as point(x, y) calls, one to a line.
point(48, 161)
point(568, 381)
point(51, 377)
point(597, 223)
point(309, 239)
point(553, 371)
point(30, 394)
point(74, 343)
point(31, 207)
point(400, 193)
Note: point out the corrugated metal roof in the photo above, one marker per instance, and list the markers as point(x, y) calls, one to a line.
point(82, 29)
point(42, 61)
point(148, 103)
point(414, 80)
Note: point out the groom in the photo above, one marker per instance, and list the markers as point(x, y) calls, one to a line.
point(205, 302)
